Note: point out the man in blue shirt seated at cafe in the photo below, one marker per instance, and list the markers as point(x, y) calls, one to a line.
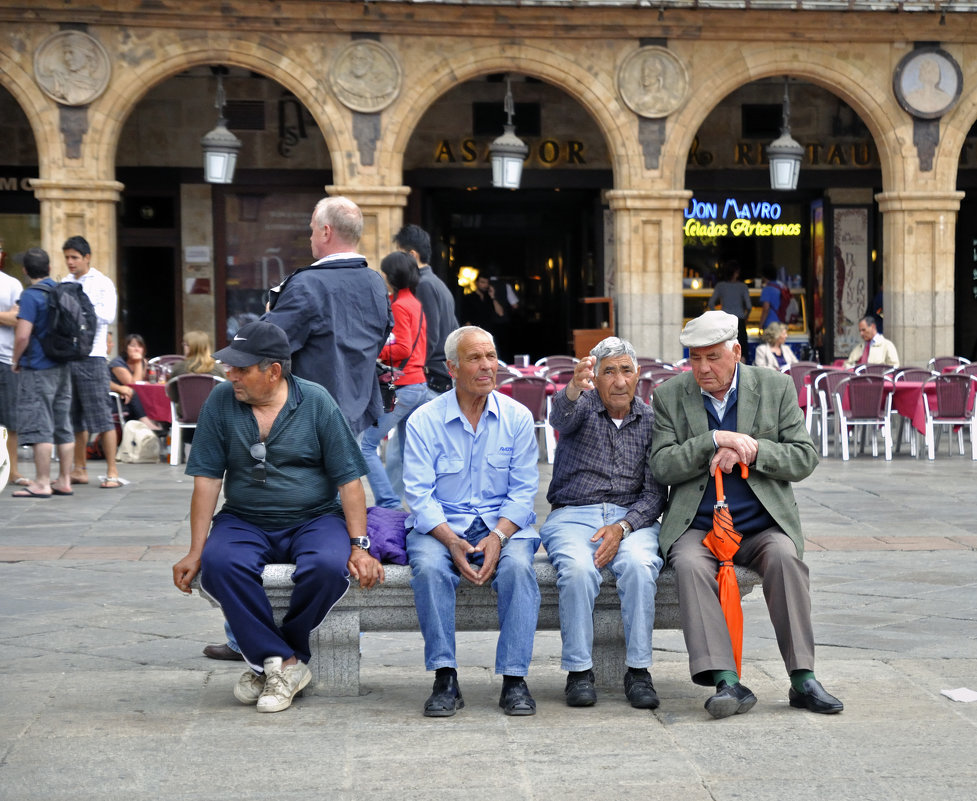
point(470, 476)
point(605, 513)
point(281, 450)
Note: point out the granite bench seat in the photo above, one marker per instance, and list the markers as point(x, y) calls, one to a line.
point(335, 645)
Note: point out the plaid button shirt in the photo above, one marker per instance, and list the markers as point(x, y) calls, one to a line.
point(597, 462)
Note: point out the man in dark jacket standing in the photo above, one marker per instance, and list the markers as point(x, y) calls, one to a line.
point(336, 314)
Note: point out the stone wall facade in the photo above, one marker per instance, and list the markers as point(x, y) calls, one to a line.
point(583, 50)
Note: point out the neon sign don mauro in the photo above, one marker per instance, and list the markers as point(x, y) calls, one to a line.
point(748, 218)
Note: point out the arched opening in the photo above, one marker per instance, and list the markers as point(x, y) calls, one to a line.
point(20, 221)
point(542, 245)
point(194, 255)
point(823, 240)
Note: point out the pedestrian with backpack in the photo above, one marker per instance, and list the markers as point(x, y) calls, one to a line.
point(774, 298)
point(44, 385)
point(90, 411)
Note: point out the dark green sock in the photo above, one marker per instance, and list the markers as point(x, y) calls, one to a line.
point(728, 676)
point(798, 677)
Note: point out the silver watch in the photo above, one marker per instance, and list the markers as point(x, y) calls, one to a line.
point(503, 539)
point(625, 527)
point(360, 542)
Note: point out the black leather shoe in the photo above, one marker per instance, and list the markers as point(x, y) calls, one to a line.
point(639, 690)
point(222, 651)
point(580, 691)
point(732, 699)
point(516, 700)
point(815, 698)
point(445, 698)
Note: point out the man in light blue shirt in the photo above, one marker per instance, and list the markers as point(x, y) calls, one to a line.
point(470, 476)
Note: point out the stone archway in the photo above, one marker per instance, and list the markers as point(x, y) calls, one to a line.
point(919, 207)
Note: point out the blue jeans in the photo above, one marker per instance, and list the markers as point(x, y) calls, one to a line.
point(409, 397)
point(395, 451)
point(435, 581)
point(231, 640)
point(566, 537)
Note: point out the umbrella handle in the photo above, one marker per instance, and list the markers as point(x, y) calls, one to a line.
point(720, 494)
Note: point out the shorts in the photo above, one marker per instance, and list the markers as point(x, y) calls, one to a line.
point(8, 397)
point(90, 409)
point(44, 406)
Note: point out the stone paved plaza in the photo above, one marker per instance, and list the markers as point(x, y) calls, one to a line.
point(105, 693)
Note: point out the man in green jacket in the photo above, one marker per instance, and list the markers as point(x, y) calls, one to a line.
point(717, 415)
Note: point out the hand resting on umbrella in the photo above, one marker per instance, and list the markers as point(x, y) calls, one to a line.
point(733, 447)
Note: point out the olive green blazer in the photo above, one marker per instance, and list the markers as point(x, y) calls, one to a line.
point(682, 447)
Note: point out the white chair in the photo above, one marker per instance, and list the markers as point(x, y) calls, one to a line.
point(869, 404)
point(192, 389)
point(954, 406)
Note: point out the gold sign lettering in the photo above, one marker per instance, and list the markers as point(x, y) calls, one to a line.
point(544, 152)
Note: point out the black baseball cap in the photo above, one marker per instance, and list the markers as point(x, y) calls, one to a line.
point(254, 342)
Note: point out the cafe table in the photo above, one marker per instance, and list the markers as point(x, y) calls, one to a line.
point(154, 400)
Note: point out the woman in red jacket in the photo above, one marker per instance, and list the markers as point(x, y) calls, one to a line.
point(406, 350)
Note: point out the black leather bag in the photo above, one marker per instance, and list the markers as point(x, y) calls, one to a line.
point(386, 376)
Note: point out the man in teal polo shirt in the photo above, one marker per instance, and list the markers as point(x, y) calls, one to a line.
point(281, 450)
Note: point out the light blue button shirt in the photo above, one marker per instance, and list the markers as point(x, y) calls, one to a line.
point(454, 473)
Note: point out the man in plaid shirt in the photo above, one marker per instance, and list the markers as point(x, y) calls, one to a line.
point(605, 513)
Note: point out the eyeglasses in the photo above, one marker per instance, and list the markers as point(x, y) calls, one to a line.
point(260, 471)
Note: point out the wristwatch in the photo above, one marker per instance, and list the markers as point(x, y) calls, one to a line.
point(625, 527)
point(360, 542)
point(503, 539)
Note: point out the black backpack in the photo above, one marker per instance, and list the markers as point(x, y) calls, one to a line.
point(71, 322)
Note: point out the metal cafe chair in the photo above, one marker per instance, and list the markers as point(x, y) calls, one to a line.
point(953, 405)
point(192, 390)
point(533, 392)
point(869, 405)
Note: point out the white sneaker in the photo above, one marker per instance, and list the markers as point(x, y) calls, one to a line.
point(249, 686)
point(282, 684)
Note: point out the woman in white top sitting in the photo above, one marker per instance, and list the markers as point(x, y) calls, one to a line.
point(774, 353)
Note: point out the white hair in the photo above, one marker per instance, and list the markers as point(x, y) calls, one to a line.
point(455, 337)
point(611, 347)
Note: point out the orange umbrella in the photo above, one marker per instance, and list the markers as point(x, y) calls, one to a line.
point(723, 540)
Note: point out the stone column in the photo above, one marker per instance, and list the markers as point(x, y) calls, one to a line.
point(648, 258)
point(919, 239)
point(383, 214)
point(79, 208)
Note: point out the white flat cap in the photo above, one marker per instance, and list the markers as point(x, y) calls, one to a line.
point(710, 328)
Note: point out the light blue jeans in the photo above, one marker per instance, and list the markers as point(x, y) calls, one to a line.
point(435, 581)
point(231, 640)
point(409, 397)
point(395, 453)
point(566, 537)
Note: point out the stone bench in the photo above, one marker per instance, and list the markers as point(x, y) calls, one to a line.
point(335, 645)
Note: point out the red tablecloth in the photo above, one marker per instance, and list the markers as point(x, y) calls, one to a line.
point(154, 400)
point(907, 400)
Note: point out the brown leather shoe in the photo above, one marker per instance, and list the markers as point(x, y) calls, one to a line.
point(224, 652)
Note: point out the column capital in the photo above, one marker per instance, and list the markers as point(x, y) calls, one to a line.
point(372, 195)
point(648, 199)
point(919, 201)
point(99, 191)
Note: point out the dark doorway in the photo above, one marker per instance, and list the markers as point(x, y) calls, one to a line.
point(148, 269)
point(965, 281)
point(147, 303)
point(543, 244)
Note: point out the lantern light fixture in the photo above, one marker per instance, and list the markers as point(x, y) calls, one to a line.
point(220, 145)
point(508, 151)
point(784, 153)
